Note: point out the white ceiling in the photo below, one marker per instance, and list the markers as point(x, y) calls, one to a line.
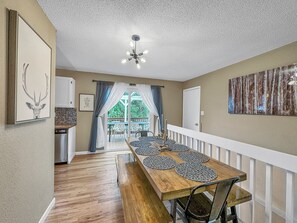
point(185, 38)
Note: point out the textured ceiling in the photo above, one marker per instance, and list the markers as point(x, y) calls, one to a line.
point(185, 38)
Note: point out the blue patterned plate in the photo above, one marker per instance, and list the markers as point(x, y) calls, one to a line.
point(140, 144)
point(147, 151)
point(159, 162)
point(196, 172)
point(178, 147)
point(193, 156)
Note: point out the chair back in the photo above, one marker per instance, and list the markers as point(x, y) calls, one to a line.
point(222, 191)
point(143, 133)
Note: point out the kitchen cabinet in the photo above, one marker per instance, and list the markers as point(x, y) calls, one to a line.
point(71, 143)
point(65, 92)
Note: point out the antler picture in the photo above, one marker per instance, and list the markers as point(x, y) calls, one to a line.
point(36, 106)
point(29, 80)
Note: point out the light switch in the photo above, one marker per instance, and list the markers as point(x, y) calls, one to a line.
point(202, 113)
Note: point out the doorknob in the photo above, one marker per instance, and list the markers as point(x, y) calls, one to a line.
point(196, 124)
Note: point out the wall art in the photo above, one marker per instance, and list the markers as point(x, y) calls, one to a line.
point(264, 93)
point(86, 102)
point(29, 73)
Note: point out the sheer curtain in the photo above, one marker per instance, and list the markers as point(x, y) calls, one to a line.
point(147, 97)
point(157, 96)
point(115, 95)
point(103, 90)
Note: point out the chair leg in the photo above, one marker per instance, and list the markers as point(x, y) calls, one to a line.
point(224, 215)
point(234, 214)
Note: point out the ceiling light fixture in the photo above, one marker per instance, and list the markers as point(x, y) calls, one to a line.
point(293, 78)
point(138, 57)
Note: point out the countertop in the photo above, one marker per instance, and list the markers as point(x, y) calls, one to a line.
point(64, 126)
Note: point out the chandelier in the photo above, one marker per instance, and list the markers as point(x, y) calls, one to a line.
point(137, 57)
point(293, 78)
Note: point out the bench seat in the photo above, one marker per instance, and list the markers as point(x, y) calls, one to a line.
point(140, 202)
point(237, 196)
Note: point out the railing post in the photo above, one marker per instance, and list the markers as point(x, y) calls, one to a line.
point(186, 140)
point(202, 147)
point(182, 139)
point(197, 145)
point(239, 167)
point(191, 143)
point(210, 150)
point(289, 197)
point(252, 188)
point(268, 193)
point(218, 153)
point(227, 157)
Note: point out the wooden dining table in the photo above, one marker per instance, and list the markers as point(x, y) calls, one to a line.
point(168, 185)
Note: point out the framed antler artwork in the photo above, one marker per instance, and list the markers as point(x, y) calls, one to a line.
point(29, 73)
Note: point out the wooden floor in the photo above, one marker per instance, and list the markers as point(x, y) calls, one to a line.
point(119, 145)
point(87, 190)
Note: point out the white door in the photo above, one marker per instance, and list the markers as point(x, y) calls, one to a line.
point(191, 108)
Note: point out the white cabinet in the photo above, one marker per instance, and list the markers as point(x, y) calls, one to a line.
point(65, 92)
point(71, 143)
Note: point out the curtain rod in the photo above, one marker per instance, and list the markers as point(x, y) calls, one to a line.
point(131, 84)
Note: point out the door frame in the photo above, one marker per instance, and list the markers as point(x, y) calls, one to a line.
point(199, 108)
point(130, 90)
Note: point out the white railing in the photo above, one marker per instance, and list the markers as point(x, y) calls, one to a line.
point(198, 141)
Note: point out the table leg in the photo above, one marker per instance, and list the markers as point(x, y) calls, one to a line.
point(109, 132)
point(173, 210)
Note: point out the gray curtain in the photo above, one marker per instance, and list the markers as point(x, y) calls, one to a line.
point(103, 90)
point(157, 96)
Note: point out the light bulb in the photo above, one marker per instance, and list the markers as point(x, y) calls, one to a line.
point(138, 66)
point(128, 53)
point(131, 44)
point(124, 61)
point(145, 52)
point(142, 60)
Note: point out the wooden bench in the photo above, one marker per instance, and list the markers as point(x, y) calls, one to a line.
point(236, 196)
point(139, 200)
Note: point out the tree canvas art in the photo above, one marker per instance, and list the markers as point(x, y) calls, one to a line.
point(264, 93)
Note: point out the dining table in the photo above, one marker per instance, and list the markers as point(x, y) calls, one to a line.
point(169, 185)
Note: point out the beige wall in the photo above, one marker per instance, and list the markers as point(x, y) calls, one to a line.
point(274, 132)
point(26, 150)
point(172, 99)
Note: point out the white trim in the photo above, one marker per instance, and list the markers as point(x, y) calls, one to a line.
point(192, 88)
point(290, 178)
point(71, 158)
point(283, 160)
point(87, 152)
point(270, 157)
point(47, 211)
point(79, 153)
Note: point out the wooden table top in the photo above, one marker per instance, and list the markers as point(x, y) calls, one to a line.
point(169, 185)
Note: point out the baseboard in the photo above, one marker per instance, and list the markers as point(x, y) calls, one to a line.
point(47, 211)
point(87, 152)
point(97, 151)
point(71, 158)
